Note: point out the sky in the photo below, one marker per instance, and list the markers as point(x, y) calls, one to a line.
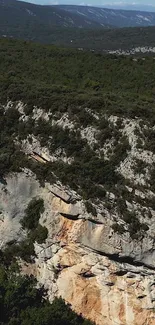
point(96, 2)
point(143, 4)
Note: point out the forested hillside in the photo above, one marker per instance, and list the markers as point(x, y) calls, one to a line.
point(35, 74)
point(104, 40)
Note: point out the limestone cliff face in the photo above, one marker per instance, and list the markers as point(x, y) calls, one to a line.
point(107, 277)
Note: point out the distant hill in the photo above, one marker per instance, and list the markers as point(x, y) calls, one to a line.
point(132, 6)
point(72, 26)
point(107, 39)
point(19, 15)
point(15, 14)
point(113, 17)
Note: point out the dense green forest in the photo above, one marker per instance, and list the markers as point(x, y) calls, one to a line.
point(103, 40)
point(63, 79)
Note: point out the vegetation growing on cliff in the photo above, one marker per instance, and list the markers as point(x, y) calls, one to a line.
point(23, 303)
point(35, 232)
point(30, 221)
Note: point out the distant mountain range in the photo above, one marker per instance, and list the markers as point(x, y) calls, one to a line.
point(133, 6)
point(120, 5)
point(112, 17)
point(17, 13)
point(80, 27)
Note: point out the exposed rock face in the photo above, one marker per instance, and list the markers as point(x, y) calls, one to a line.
point(103, 290)
point(15, 195)
point(106, 276)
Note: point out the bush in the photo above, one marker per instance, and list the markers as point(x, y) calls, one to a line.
point(118, 228)
point(140, 166)
point(24, 250)
point(90, 208)
point(32, 214)
point(36, 232)
point(39, 234)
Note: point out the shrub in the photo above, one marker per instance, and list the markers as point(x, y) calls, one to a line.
point(118, 228)
point(36, 232)
point(90, 208)
point(140, 166)
point(39, 234)
point(32, 214)
point(24, 250)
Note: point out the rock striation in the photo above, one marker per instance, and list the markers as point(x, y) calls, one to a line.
point(106, 276)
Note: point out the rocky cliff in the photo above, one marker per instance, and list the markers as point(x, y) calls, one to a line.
point(105, 276)
point(97, 185)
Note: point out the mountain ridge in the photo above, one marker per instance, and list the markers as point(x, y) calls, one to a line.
point(14, 12)
point(113, 17)
point(72, 16)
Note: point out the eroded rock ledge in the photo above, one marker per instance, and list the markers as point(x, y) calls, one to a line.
point(106, 276)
